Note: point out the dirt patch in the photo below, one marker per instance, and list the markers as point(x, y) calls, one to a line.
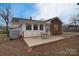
point(68, 46)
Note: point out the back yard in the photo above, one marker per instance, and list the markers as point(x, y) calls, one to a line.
point(67, 46)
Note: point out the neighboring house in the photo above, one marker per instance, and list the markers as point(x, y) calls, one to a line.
point(72, 28)
point(32, 27)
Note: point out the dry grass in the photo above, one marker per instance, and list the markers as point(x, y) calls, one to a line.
point(68, 46)
point(3, 38)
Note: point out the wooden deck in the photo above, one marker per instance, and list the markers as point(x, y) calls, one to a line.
point(38, 40)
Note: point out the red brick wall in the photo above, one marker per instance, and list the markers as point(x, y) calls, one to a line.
point(52, 29)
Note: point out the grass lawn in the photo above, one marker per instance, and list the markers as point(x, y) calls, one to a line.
point(68, 46)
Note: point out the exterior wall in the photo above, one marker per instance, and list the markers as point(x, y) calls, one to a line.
point(52, 28)
point(30, 33)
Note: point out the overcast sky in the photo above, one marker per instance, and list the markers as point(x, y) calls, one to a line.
point(44, 10)
point(61, 10)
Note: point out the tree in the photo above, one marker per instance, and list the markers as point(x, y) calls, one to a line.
point(5, 13)
point(74, 20)
point(78, 15)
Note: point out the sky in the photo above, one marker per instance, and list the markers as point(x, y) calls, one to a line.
point(42, 11)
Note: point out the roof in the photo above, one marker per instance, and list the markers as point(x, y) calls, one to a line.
point(15, 19)
point(52, 19)
point(72, 25)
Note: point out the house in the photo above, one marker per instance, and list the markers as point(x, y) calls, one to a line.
point(32, 27)
point(72, 28)
point(55, 26)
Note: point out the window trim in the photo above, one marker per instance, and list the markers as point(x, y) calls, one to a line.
point(40, 27)
point(30, 28)
point(35, 25)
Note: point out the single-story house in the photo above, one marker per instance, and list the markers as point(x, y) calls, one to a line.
point(31, 27)
point(72, 28)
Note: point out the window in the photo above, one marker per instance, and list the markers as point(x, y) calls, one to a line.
point(28, 27)
point(41, 27)
point(35, 27)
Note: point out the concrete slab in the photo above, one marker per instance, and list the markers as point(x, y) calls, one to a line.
point(38, 40)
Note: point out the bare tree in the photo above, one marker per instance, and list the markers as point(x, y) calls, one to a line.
point(75, 21)
point(78, 15)
point(5, 13)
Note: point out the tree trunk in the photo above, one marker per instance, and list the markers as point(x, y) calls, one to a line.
point(7, 29)
point(75, 27)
